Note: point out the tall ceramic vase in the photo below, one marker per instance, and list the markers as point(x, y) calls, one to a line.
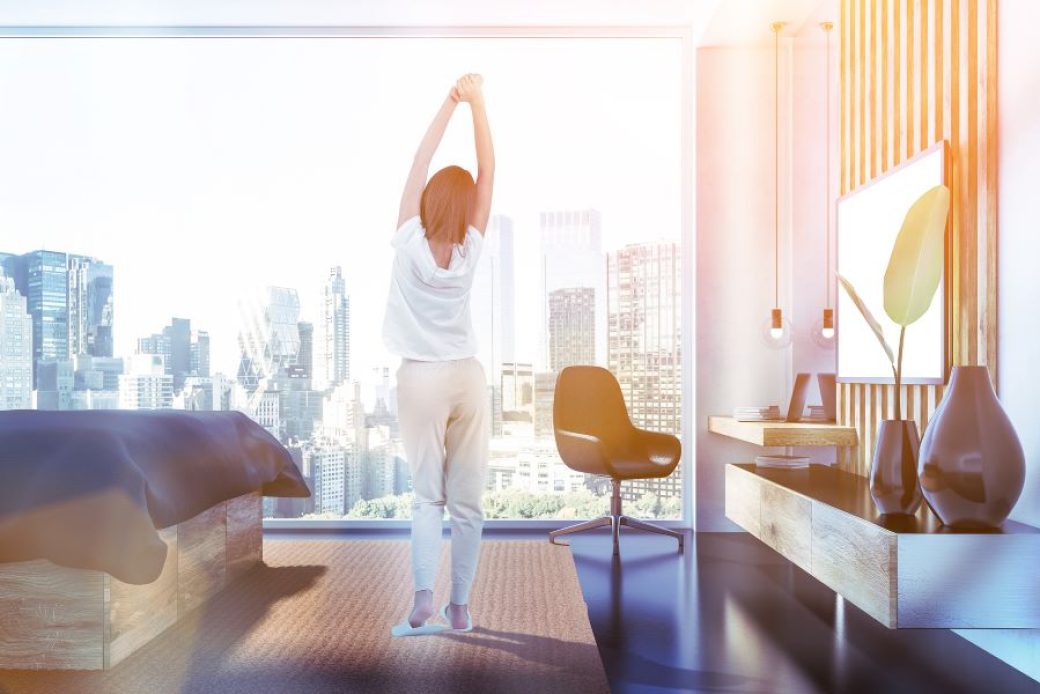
point(893, 471)
point(971, 464)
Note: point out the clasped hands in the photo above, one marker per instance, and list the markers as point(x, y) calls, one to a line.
point(467, 88)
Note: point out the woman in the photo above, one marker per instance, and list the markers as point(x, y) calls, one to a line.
point(441, 388)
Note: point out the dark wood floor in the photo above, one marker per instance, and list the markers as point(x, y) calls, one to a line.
point(728, 615)
point(732, 615)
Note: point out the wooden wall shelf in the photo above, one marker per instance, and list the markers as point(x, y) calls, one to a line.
point(908, 572)
point(784, 433)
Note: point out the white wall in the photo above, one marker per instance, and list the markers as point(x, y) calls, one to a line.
point(735, 239)
point(1018, 88)
point(809, 203)
point(734, 230)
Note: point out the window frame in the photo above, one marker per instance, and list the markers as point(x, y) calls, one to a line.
point(684, 33)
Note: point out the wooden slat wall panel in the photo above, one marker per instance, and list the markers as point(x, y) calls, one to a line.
point(913, 72)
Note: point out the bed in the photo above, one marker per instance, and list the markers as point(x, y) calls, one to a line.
point(116, 524)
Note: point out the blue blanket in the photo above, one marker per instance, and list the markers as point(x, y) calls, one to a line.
point(90, 489)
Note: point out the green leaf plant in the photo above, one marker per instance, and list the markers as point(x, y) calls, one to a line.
point(913, 274)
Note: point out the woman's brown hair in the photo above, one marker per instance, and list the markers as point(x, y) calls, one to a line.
point(445, 202)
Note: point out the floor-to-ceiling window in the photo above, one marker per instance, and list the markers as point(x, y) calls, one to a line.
point(221, 208)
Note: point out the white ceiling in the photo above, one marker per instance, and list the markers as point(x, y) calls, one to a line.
point(741, 22)
point(440, 13)
point(712, 22)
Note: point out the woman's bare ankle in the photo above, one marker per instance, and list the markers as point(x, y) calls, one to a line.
point(422, 609)
point(458, 615)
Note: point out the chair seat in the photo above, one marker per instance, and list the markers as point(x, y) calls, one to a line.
point(644, 455)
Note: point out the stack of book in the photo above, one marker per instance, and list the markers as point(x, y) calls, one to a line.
point(782, 461)
point(816, 413)
point(757, 414)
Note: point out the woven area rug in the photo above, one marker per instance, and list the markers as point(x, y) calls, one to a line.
point(316, 617)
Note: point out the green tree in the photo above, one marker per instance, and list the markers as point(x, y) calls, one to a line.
point(519, 503)
point(399, 506)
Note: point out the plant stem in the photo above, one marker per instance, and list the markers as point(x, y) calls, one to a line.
point(899, 373)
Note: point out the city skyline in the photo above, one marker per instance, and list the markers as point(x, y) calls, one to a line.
point(349, 448)
point(296, 185)
point(572, 280)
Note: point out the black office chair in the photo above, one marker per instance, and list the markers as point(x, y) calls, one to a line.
point(595, 435)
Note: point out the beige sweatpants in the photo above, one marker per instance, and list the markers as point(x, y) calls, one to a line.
point(443, 411)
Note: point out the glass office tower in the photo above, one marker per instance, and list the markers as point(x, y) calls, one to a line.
point(90, 306)
point(46, 293)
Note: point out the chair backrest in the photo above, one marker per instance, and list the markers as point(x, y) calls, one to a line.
point(588, 400)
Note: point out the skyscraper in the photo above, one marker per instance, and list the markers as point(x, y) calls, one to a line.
point(332, 338)
point(572, 257)
point(342, 412)
point(328, 466)
point(70, 301)
point(55, 381)
point(16, 354)
point(174, 344)
point(157, 344)
point(179, 331)
point(380, 467)
point(305, 358)
point(572, 327)
point(269, 334)
point(200, 353)
point(492, 303)
point(145, 385)
point(544, 394)
point(644, 304)
point(97, 373)
point(90, 302)
point(42, 277)
point(518, 388)
point(9, 263)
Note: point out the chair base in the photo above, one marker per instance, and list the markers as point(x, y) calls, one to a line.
point(615, 520)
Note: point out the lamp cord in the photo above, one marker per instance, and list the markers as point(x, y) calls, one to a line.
point(776, 167)
point(827, 207)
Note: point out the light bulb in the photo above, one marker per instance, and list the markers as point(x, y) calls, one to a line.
point(823, 330)
point(777, 331)
point(776, 320)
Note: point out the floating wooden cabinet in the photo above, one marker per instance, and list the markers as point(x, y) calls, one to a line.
point(904, 572)
point(788, 528)
point(784, 433)
point(52, 617)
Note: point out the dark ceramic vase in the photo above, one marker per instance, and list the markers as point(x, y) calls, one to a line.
point(971, 464)
point(893, 471)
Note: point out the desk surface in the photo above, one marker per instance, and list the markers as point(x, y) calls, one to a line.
point(850, 493)
point(780, 433)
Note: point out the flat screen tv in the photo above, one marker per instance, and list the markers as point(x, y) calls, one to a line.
point(868, 221)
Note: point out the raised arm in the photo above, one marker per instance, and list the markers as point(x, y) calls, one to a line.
point(413, 187)
point(469, 89)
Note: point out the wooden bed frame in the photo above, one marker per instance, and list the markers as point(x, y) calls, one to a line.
point(75, 619)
